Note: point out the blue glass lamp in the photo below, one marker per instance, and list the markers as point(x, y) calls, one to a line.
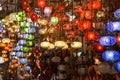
point(110, 55)
point(107, 40)
point(117, 13)
point(23, 60)
point(113, 26)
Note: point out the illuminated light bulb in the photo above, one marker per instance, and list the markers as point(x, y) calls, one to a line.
point(76, 45)
point(45, 44)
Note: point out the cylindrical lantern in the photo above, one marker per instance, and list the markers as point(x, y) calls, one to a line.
point(1, 60)
point(117, 13)
point(107, 40)
point(113, 26)
point(6, 40)
point(117, 66)
point(110, 55)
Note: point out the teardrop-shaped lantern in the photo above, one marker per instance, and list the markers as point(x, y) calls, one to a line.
point(117, 13)
point(107, 40)
point(113, 26)
point(110, 55)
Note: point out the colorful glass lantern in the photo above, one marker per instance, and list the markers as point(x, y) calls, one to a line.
point(23, 60)
point(113, 26)
point(54, 20)
point(107, 40)
point(25, 49)
point(110, 55)
point(95, 4)
point(19, 54)
point(91, 35)
point(84, 25)
point(117, 66)
point(117, 13)
point(27, 68)
point(1, 60)
point(47, 11)
point(97, 47)
point(41, 3)
point(76, 45)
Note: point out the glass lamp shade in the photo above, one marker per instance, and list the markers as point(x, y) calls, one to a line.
point(117, 66)
point(1, 60)
point(76, 45)
point(47, 11)
point(65, 46)
point(6, 40)
point(59, 44)
point(45, 44)
point(52, 46)
point(54, 20)
point(113, 26)
point(22, 42)
point(25, 49)
point(117, 13)
point(107, 40)
point(27, 68)
point(110, 55)
point(19, 54)
point(42, 22)
point(23, 60)
point(100, 14)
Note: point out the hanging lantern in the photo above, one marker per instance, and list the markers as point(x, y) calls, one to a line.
point(117, 66)
point(59, 44)
point(45, 44)
point(110, 55)
point(34, 17)
point(47, 11)
point(97, 47)
point(25, 49)
point(27, 9)
point(19, 54)
point(89, 14)
point(43, 22)
point(91, 35)
point(84, 25)
point(1, 60)
point(24, 3)
point(41, 3)
point(107, 40)
point(61, 8)
point(117, 13)
point(100, 14)
point(95, 4)
point(6, 40)
point(76, 45)
point(52, 46)
point(113, 26)
point(54, 20)
point(31, 37)
point(27, 68)
point(23, 60)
